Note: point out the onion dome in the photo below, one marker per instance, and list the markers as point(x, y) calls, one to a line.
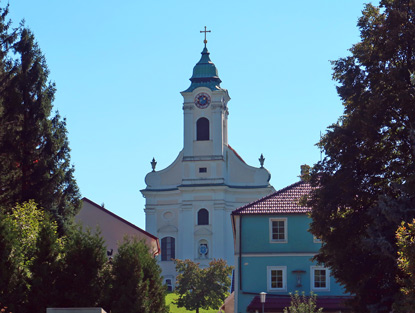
point(205, 74)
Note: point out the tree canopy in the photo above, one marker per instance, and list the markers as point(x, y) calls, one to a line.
point(135, 284)
point(405, 236)
point(34, 150)
point(202, 288)
point(40, 269)
point(366, 181)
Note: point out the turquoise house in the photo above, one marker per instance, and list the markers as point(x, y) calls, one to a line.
point(273, 252)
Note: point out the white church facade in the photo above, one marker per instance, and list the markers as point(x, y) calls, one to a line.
point(189, 203)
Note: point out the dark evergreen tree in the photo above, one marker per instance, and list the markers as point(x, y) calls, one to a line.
point(366, 180)
point(81, 279)
point(34, 152)
point(136, 284)
point(7, 38)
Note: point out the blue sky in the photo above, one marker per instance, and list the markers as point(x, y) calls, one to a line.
point(119, 69)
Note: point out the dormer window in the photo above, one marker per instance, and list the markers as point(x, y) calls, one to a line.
point(202, 129)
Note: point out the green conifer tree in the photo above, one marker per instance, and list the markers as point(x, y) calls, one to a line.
point(136, 284)
point(81, 279)
point(34, 151)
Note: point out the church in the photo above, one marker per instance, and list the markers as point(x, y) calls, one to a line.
point(188, 204)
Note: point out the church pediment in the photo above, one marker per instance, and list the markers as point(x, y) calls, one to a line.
point(167, 229)
point(203, 231)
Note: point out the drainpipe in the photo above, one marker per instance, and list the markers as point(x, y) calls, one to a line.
point(240, 252)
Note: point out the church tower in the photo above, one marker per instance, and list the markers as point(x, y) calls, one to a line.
point(188, 204)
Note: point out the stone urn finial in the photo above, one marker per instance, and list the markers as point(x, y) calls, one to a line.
point(153, 164)
point(261, 161)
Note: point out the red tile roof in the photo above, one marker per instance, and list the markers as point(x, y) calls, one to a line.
point(286, 200)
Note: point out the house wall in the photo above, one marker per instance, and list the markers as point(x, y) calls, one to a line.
point(113, 229)
point(257, 254)
point(256, 234)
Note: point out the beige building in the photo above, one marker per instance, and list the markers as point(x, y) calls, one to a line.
point(113, 228)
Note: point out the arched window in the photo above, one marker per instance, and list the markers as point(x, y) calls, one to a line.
point(168, 249)
point(203, 217)
point(202, 129)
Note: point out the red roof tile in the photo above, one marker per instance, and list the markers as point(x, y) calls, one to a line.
point(286, 200)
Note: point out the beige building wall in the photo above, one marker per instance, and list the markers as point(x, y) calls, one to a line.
point(113, 228)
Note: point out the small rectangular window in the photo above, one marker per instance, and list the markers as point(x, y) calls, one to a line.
point(320, 278)
point(202, 170)
point(278, 230)
point(277, 278)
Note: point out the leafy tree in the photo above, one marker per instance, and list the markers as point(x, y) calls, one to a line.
point(406, 262)
point(366, 179)
point(202, 288)
point(136, 285)
point(39, 269)
point(305, 172)
point(303, 304)
point(24, 234)
point(12, 278)
point(34, 158)
point(44, 269)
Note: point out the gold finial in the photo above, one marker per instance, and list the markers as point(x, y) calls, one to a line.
point(205, 31)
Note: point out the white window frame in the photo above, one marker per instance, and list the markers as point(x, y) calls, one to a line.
point(285, 240)
point(312, 273)
point(284, 278)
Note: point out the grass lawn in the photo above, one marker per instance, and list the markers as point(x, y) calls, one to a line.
point(170, 297)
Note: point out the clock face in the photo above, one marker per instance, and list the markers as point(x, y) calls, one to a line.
point(202, 100)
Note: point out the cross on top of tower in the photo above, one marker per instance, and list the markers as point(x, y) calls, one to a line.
point(205, 31)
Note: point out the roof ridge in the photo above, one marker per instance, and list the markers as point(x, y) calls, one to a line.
point(236, 153)
point(235, 212)
point(119, 218)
